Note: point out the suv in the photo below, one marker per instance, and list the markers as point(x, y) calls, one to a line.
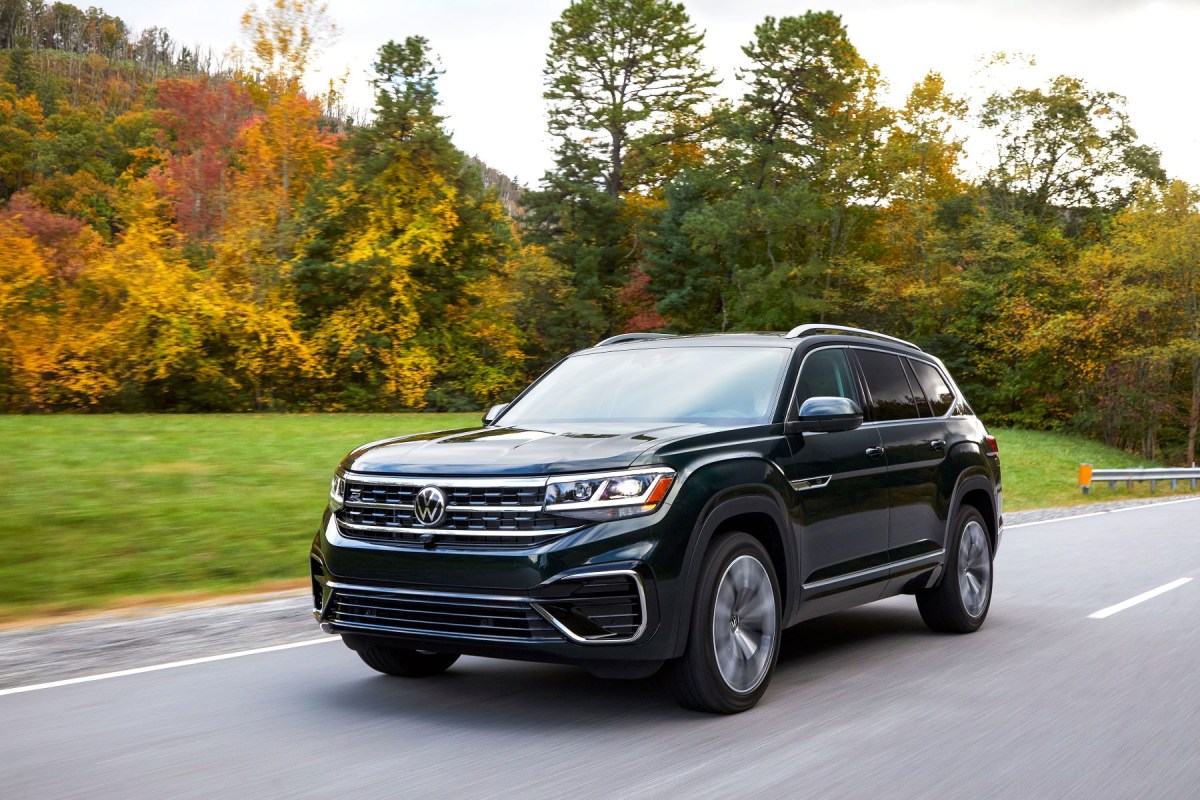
point(658, 500)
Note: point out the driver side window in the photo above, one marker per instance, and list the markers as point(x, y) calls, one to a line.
point(826, 373)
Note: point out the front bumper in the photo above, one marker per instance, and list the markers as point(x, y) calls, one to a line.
point(596, 594)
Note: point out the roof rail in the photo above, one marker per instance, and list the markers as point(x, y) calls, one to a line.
point(813, 330)
point(632, 337)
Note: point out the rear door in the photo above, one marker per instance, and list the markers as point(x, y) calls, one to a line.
point(914, 443)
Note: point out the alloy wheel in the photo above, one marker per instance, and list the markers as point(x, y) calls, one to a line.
point(744, 624)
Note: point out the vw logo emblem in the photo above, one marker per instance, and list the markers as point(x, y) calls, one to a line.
point(430, 506)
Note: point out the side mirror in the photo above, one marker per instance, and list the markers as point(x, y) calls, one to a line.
point(826, 415)
point(490, 415)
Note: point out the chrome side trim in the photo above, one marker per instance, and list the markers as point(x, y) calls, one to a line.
point(637, 581)
point(805, 484)
point(456, 532)
point(866, 573)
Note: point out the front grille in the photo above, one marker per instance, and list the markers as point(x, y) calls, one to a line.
point(483, 514)
point(441, 614)
point(596, 607)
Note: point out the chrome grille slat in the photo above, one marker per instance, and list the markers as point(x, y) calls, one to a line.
point(470, 616)
point(503, 513)
point(436, 624)
point(426, 600)
point(425, 610)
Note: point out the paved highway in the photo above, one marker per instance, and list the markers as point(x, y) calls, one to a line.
point(1046, 701)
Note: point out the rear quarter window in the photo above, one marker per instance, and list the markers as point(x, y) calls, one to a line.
point(934, 385)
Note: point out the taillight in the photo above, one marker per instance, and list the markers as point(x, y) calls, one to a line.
point(992, 446)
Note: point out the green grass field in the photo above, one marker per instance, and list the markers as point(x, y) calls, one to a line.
point(100, 510)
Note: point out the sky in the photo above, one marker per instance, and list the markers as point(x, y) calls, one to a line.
point(493, 51)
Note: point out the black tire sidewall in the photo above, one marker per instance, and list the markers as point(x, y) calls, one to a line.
point(700, 642)
point(948, 594)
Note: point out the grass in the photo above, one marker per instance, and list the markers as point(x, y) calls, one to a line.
point(110, 510)
point(1041, 470)
point(100, 509)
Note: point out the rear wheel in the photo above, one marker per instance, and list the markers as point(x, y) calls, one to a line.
point(733, 639)
point(960, 601)
point(405, 663)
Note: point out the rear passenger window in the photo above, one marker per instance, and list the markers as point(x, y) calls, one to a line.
point(939, 394)
point(891, 396)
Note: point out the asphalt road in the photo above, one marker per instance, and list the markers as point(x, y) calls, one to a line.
point(1044, 702)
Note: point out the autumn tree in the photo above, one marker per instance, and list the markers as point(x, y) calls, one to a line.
point(913, 283)
point(415, 253)
point(1143, 323)
point(623, 80)
point(204, 120)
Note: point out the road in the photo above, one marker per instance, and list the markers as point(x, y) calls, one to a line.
point(1044, 702)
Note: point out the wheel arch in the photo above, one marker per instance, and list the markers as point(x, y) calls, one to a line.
point(754, 509)
point(976, 490)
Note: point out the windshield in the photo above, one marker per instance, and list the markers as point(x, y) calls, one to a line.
point(711, 385)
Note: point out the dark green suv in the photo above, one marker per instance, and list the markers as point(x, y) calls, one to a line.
point(668, 501)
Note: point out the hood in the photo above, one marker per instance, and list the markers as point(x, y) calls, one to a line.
point(512, 451)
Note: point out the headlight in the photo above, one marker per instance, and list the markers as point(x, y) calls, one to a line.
point(337, 490)
point(614, 495)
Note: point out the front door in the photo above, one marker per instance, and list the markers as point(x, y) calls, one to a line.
point(839, 495)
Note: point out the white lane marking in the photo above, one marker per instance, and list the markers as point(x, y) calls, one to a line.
point(1142, 507)
point(1133, 601)
point(171, 665)
point(1056, 519)
point(1155, 505)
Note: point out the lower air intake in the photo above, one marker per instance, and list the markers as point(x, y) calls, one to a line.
point(601, 607)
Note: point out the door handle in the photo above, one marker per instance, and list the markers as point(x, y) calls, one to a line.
point(938, 444)
point(875, 452)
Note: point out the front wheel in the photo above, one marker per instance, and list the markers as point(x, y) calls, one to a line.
point(733, 639)
point(960, 601)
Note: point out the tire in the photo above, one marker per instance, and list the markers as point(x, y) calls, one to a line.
point(405, 663)
point(960, 601)
point(733, 636)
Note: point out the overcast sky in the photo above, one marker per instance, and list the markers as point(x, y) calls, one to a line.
point(493, 50)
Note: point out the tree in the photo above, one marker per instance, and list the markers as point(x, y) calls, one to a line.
point(405, 85)
point(1065, 146)
point(623, 82)
point(910, 245)
point(1145, 308)
point(794, 172)
point(285, 37)
point(416, 253)
point(205, 117)
point(616, 68)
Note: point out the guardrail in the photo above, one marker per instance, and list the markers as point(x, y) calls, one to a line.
point(1088, 476)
